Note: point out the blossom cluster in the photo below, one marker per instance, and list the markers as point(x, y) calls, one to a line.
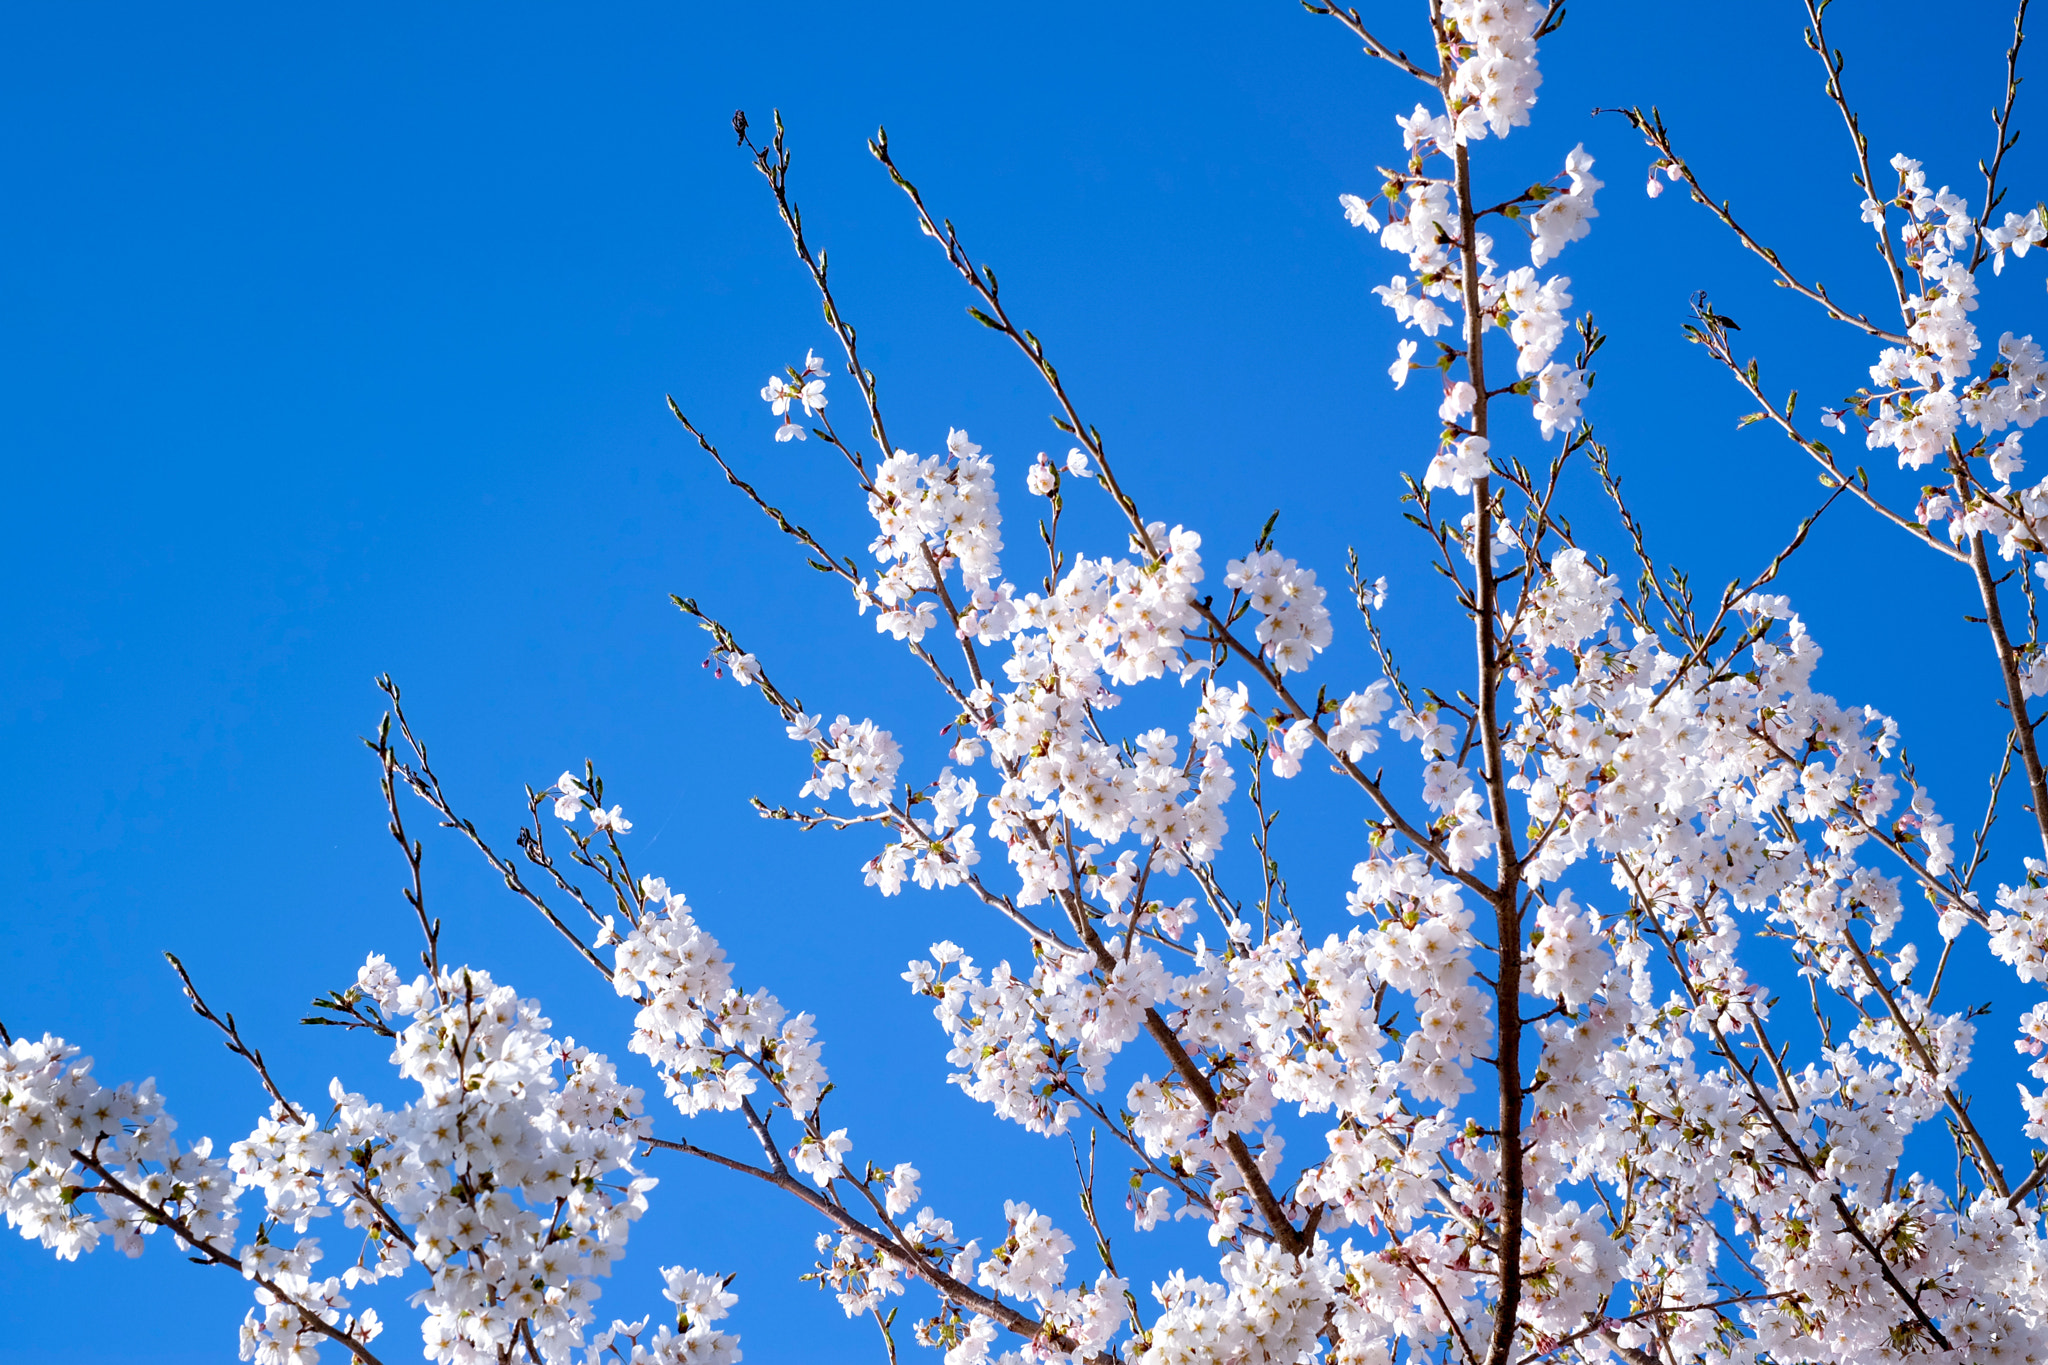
point(60, 1129)
point(1495, 76)
point(801, 391)
point(932, 512)
point(713, 1045)
point(1924, 393)
point(509, 1181)
point(1492, 88)
point(1294, 625)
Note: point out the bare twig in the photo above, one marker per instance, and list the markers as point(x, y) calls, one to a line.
point(947, 1286)
point(1393, 57)
point(1651, 126)
point(1831, 60)
point(2002, 119)
point(425, 785)
point(232, 1037)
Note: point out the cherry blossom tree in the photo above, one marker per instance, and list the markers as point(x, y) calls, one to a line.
point(1629, 1042)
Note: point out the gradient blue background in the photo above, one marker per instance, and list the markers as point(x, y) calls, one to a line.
point(332, 343)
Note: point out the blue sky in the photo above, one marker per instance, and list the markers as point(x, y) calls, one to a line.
point(335, 344)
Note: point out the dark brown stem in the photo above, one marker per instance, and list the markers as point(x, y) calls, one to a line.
point(1350, 19)
point(1797, 1153)
point(2015, 695)
point(1284, 1232)
point(212, 1255)
point(1712, 334)
point(1506, 901)
point(2029, 1185)
point(1651, 126)
point(427, 787)
point(955, 1290)
point(232, 1037)
point(996, 317)
point(2003, 118)
point(1831, 60)
point(415, 895)
point(1987, 1165)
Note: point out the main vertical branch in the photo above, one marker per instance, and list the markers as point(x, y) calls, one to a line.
point(1506, 911)
point(2015, 693)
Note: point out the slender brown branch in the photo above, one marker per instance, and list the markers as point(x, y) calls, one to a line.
point(1393, 57)
point(1791, 1145)
point(2029, 1185)
point(888, 1337)
point(232, 1038)
point(1711, 332)
point(1504, 897)
point(2015, 692)
point(427, 787)
point(1602, 1323)
point(992, 313)
point(209, 1254)
point(1987, 1164)
point(1831, 60)
point(415, 895)
point(2002, 118)
point(1736, 593)
point(956, 1291)
point(1651, 126)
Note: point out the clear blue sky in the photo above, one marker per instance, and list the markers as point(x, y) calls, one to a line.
point(335, 343)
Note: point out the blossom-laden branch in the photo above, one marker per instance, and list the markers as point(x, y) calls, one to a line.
point(1518, 1100)
point(908, 1254)
point(1923, 390)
